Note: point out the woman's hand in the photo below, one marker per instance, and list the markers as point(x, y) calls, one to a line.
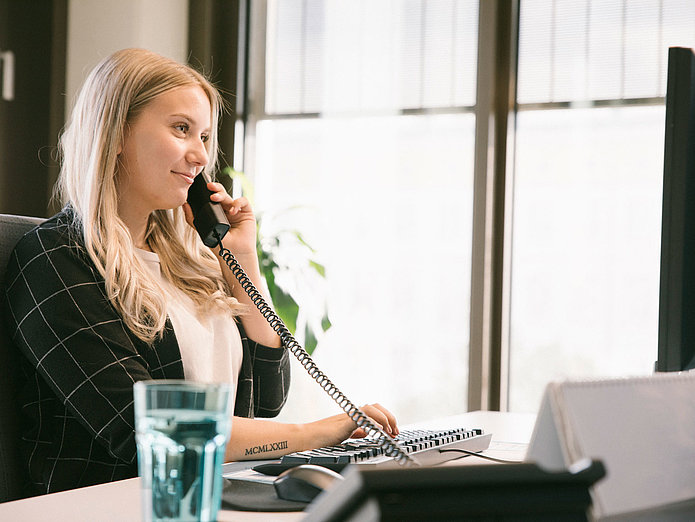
point(241, 238)
point(335, 429)
point(254, 438)
point(382, 417)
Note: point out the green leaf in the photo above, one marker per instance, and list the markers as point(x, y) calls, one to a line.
point(297, 234)
point(318, 267)
point(310, 341)
point(285, 305)
point(268, 265)
point(288, 314)
point(325, 322)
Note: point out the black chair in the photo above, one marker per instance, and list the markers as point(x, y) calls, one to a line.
point(12, 473)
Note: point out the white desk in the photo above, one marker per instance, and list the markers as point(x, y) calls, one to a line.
point(120, 501)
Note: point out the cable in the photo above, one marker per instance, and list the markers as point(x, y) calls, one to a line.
point(391, 447)
point(480, 455)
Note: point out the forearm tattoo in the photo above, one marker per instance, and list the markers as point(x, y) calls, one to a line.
point(265, 448)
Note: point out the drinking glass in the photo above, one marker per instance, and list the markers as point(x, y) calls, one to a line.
point(181, 430)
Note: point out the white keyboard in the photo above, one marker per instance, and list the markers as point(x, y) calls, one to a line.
point(427, 447)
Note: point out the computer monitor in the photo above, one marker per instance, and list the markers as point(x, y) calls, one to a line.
point(676, 350)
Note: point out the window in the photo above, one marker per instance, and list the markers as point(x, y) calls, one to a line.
point(363, 114)
point(587, 188)
point(367, 124)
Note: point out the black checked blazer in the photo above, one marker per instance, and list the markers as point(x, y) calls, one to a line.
point(79, 363)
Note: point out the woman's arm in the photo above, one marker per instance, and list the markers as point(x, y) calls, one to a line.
point(253, 439)
point(264, 379)
point(254, 323)
point(241, 241)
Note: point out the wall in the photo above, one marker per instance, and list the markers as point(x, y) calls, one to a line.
point(98, 28)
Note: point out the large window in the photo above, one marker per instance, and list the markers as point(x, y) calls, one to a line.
point(363, 115)
point(367, 124)
point(587, 188)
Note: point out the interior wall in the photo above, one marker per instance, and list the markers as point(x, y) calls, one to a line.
point(97, 29)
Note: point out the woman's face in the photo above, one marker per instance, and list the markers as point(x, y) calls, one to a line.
point(164, 148)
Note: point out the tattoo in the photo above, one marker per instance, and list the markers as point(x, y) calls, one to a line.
point(275, 446)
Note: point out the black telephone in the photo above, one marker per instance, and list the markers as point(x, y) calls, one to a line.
point(212, 224)
point(208, 218)
point(510, 492)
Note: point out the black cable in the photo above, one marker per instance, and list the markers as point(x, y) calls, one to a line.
point(391, 447)
point(479, 455)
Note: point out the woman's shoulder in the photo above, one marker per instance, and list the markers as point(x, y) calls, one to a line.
point(58, 235)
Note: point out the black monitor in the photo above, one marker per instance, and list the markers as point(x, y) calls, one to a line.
point(676, 350)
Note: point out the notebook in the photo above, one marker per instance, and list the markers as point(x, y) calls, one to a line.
point(641, 428)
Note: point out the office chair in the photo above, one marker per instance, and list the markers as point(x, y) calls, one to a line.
point(11, 470)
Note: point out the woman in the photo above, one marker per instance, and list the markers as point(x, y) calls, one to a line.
point(118, 287)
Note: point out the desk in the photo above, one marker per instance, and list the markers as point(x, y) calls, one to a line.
point(120, 501)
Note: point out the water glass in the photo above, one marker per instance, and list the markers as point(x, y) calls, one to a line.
point(181, 429)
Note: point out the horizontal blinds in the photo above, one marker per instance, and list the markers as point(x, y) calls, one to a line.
point(584, 50)
point(327, 56)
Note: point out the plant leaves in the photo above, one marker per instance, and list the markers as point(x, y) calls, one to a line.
point(267, 248)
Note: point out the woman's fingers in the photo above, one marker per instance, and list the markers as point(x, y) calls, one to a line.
point(382, 417)
point(391, 425)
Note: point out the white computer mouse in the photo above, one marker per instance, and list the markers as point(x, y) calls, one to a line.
point(302, 483)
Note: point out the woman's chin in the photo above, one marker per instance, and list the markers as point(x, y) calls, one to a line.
point(173, 203)
point(182, 198)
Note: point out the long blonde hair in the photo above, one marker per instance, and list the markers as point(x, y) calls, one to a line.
point(116, 90)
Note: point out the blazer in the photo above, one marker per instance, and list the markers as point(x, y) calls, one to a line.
point(79, 362)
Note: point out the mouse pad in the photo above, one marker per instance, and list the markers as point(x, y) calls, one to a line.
point(245, 495)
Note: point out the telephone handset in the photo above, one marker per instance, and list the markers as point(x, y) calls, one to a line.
point(208, 218)
point(212, 224)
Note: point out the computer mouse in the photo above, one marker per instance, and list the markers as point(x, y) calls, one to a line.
point(302, 483)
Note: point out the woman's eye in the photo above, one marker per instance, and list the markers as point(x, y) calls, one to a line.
point(181, 127)
point(204, 138)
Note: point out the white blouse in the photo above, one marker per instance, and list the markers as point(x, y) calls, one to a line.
point(210, 345)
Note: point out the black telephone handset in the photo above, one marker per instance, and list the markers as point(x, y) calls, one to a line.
point(208, 217)
point(212, 224)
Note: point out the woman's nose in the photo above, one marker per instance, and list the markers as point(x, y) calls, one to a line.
point(197, 154)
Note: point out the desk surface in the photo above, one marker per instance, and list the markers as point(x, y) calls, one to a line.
point(120, 501)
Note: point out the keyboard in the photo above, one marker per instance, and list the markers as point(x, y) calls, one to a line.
point(427, 447)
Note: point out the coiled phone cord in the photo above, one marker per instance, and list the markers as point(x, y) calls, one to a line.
point(391, 447)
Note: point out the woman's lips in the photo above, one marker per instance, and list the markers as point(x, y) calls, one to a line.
point(187, 176)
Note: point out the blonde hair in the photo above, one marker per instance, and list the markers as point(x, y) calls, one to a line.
point(115, 91)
